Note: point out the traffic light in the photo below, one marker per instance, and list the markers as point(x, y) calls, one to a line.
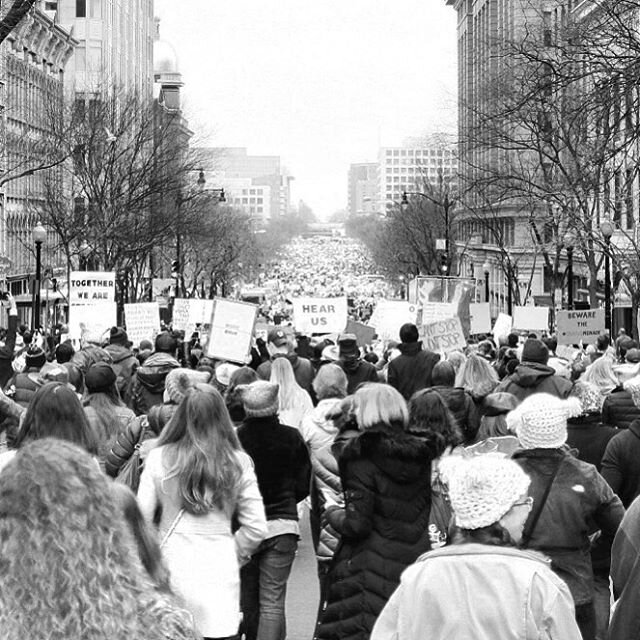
point(175, 268)
point(444, 263)
point(54, 284)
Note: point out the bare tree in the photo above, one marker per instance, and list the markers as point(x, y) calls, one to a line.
point(552, 136)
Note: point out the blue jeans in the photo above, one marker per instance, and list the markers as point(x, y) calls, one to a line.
point(264, 588)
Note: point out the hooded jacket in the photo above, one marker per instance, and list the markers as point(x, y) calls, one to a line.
point(147, 383)
point(411, 370)
point(532, 377)
point(88, 355)
point(463, 408)
point(620, 466)
point(386, 477)
point(124, 364)
point(516, 596)
point(589, 436)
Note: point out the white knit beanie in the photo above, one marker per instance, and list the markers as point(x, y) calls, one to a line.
point(540, 422)
point(482, 488)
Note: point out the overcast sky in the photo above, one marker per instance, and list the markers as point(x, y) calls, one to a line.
point(321, 84)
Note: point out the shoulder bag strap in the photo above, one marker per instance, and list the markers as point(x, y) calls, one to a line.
point(172, 528)
point(530, 528)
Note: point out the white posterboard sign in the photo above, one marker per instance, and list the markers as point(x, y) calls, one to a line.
point(443, 336)
point(319, 315)
point(231, 332)
point(480, 317)
point(502, 326)
point(91, 319)
point(531, 318)
point(390, 315)
point(142, 320)
point(432, 311)
point(575, 326)
point(92, 287)
point(189, 312)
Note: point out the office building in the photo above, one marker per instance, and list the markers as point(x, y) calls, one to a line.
point(364, 196)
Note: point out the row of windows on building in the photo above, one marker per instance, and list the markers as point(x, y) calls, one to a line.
point(419, 152)
point(446, 171)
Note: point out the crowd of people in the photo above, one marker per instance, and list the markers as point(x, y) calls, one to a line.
point(321, 267)
point(157, 493)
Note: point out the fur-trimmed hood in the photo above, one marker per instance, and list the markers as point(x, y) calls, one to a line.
point(398, 454)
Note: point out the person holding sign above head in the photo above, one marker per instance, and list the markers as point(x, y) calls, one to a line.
point(411, 370)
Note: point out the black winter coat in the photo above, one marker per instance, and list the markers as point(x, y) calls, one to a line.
point(589, 437)
point(411, 370)
point(621, 463)
point(463, 408)
point(282, 464)
point(619, 409)
point(6, 351)
point(531, 377)
point(386, 477)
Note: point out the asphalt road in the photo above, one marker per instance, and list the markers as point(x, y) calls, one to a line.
point(302, 590)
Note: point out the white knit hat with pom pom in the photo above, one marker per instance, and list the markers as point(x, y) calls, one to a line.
point(482, 488)
point(540, 422)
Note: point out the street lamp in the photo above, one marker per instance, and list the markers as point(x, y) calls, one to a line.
point(486, 267)
point(606, 228)
point(217, 192)
point(39, 236)
point(569, 241)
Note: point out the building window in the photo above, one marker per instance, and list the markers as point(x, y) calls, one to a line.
point(81, 8)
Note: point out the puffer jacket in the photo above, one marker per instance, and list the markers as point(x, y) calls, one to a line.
point(531, 377)
point(147, 383)
point(411, 370)
point(386, 476)
point(319, 433)
point(619, 409)
point(579, 503)
point(463, 408)
point(134, 432)
point(25, 386)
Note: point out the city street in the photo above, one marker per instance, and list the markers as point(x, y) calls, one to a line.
point(302, 593)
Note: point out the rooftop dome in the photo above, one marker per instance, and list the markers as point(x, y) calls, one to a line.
point(165, 59)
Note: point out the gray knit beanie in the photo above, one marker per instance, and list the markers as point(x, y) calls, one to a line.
point(260, 399)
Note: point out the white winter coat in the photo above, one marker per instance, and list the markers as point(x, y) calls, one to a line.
point(202, 554)
point(479, 592)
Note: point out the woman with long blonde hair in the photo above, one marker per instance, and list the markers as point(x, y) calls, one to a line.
point(201, 479)
point(294, 403)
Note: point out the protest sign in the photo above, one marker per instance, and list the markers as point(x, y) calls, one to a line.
point(91, 319)
point(531, 318)
point(364, 334)
point(443, 336)
point(432, 311)
point(92, 287)
point(142, 321)
point(575, 326)
point(390, 315)
point(502, 326)
point(190, 312)
point(231, 331)
point(319, 315)
point(480, 317)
